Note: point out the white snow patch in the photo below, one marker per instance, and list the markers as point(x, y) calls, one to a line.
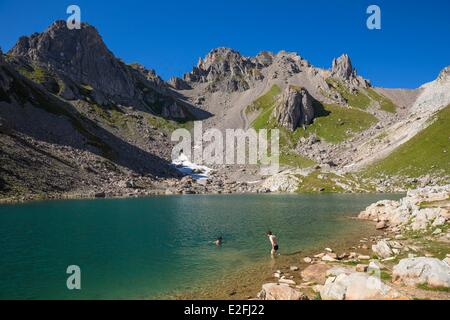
point(186, 167)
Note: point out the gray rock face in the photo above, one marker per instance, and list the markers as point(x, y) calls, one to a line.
point(294, 109)
point(429, 271)
point(179, 84)
point(89, 70)
point(79, 54)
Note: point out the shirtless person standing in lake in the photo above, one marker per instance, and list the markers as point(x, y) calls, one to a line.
point(274, 242)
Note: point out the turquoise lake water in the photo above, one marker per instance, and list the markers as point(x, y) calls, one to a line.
point(141, 248)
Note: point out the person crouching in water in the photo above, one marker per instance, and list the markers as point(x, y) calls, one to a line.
point(219, 241)
point(274, 242)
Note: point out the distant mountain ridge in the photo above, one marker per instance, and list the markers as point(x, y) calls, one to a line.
point(81, 65)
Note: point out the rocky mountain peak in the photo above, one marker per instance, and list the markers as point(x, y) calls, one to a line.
point(80, 55)
point(88, 70)
point(224, 69)
point(220, 57)
point(342, 68)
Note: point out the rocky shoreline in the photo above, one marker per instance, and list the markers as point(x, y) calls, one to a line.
point(410, 260)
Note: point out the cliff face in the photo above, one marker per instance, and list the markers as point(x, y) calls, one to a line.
point(294, 109)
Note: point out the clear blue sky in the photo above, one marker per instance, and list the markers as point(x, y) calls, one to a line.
point(170, 35)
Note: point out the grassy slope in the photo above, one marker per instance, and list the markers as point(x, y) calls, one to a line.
point(50, 104)
point(339, 125)
point(362, 98)
point(358, 100)
point(336, 125)
point(264, 105)
point(428, 152)
point(385, 103)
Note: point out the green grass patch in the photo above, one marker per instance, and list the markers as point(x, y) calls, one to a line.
point(385, 276)
point(428, 288)
point(168, 125)
point(318, 182)
point(427, 152)
point(34, 73)
point(339, 125)
point(295, 160)
point(356, 100)
point(264, 105)
point(86, 89)
point(385, 103)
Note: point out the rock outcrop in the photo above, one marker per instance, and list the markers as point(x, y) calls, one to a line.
point(274, 291)
point(342, 69)
point(407, 213)
point(179, 84)
point(295, 108)
point(423, 271)
point(281, 183)
point(357, 286)
point(435, 95)
point(383, 249)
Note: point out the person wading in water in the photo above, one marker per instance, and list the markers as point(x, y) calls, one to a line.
point(274, 242)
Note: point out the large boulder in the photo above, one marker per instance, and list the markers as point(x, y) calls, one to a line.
point(424, 217)
point(316, 273)
point(295, 108)
point(357, 286)
point(428, 271)
point(383, 249)
point(274, 291)
point(281, 183)
point(380, 211)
